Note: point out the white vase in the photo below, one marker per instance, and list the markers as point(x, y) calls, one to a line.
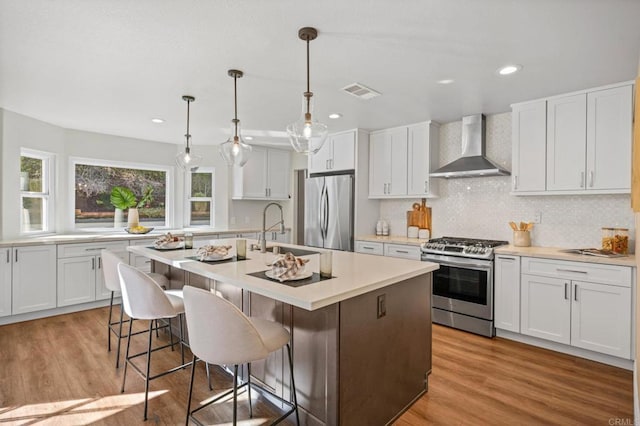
point(118, 218)
point(133, 219)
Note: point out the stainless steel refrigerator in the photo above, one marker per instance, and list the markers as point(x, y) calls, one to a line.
point(328, 207)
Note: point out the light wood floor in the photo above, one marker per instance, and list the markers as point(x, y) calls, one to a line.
point(57, 371)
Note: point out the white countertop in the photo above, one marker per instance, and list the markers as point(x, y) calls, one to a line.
point(354, 273)
point(91, 237)
point(392, 239)
point(556, 253)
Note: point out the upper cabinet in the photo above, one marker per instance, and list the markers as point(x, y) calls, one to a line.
point(400, 160)
point(266, 176)
point(574, 144)
point(337, 154)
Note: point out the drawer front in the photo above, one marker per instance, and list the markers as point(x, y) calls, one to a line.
point(88, 249)
point(142, 242)
point(582, 271)
point(402, 251)
point(370, 248)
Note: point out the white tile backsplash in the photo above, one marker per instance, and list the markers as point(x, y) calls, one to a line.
point(482, 207)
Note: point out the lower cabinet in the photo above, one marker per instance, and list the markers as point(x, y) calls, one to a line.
point(507, 293)
point(5, 282)
point(80, 277)
point(33, 278)
point(402, 251)
point(368, 247)
point(564, 305)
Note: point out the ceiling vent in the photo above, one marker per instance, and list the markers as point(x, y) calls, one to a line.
point(360, 91)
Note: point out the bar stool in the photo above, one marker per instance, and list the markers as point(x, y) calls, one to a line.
point(143, 299)
point(219, 333)
point(112, 282)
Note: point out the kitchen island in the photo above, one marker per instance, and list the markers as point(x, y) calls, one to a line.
point(361, 340)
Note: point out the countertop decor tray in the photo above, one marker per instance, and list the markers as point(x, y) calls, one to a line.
point(594, 252)
point(292, 283)
point(216, 262)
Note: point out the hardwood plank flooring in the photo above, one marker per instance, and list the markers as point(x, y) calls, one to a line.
point(57, 371)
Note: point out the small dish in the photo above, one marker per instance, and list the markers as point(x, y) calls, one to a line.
point(216, 258)
point(169, 246)
point(138, 230)
point(300, 276)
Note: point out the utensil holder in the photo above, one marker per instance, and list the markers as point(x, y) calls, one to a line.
point(521, 238)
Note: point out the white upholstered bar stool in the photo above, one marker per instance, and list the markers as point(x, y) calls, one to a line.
point(219, 333)
point(144, 299)
point(112, 282)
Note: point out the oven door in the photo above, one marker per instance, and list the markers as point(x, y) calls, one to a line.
point(463, 285)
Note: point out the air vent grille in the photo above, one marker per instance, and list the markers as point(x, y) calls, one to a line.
point(360, 91)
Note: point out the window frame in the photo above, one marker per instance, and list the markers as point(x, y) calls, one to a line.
point(47, 194)
point(189, 198)
point(169, 181)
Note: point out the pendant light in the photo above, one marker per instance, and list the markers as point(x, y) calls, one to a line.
point(307, 135)
point(186, 160)
point(234, 151)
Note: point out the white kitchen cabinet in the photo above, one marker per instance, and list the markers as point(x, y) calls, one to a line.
point(266, 176)
point(141, 262)
point(388, 163)
point(609, 136)
point(585, 305)
point(529, 139)
point(5, 281)
point(337, 154)
point(368, 247)
point(80, 276)
point(507, 293)
point(546, 308)
point(33, 278)
point(278, 237)
point(422, 158)
point(402, 251)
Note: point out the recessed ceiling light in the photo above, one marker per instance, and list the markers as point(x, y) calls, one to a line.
point(445, 81)
point(335, 115)
point(249, 138)
point(509, 69)
point(157, 120)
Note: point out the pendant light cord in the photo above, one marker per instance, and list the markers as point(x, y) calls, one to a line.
point(188, 136)
point(235, 106)
point(308, 94)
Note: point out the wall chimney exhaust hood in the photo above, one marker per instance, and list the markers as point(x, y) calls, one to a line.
point(473, 162)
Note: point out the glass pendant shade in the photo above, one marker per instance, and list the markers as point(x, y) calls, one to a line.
point(188, 161)
point(235, 151)
point(306, 134)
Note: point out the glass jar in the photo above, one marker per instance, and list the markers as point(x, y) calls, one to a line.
point(621, 240)
point(607, 239)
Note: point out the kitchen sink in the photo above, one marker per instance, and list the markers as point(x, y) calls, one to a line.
point(294, 251)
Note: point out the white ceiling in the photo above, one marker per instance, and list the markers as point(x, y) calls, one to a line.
point(109, 66)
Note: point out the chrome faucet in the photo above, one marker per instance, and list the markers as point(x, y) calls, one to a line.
point(263, 234)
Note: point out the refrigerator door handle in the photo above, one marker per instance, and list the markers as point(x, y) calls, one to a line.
point(323, 232)
point(326, 213)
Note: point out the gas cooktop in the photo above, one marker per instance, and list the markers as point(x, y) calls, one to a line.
point(466, 247)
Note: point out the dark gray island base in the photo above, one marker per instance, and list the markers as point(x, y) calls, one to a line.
point(360, 361)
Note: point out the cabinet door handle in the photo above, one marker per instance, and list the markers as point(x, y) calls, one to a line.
point(8, 255)
point(96, 248)
point(591, 179)
point(16, 255)
point(402, 251)
point(575, 271)
point(326, 164)
point(93, 263)
point(581, 179)
point(566, 285)
point(367, 248)
point(426, 186)
point(99, 263)
point(575, 292)
point(515, 182)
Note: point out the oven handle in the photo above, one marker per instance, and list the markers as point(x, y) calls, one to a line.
point(460, 264)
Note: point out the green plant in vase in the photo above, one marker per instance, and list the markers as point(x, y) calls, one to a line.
point(123, 198)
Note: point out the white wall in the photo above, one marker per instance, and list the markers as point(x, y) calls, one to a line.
point(18, 131)
point(482, 207)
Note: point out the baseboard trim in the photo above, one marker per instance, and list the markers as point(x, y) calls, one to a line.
point(56, 311)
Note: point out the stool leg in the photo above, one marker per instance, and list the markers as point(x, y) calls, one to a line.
point(206, 366)
point(146, 378)
point(235, 394)
point(193, 373)
point(120, 336)
point(293, 385)
point(157, 332)
point(181, 337)
point(109, 326)
point(249, 389)
point(126, 355)
point(171, 335)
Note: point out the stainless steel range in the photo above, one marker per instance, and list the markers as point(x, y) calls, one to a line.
point(463, 286)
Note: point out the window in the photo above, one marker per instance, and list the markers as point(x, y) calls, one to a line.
point(94, 180)
point(199, 206)
point(35, 191)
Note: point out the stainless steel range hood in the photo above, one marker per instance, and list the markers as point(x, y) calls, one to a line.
point(473, 162)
